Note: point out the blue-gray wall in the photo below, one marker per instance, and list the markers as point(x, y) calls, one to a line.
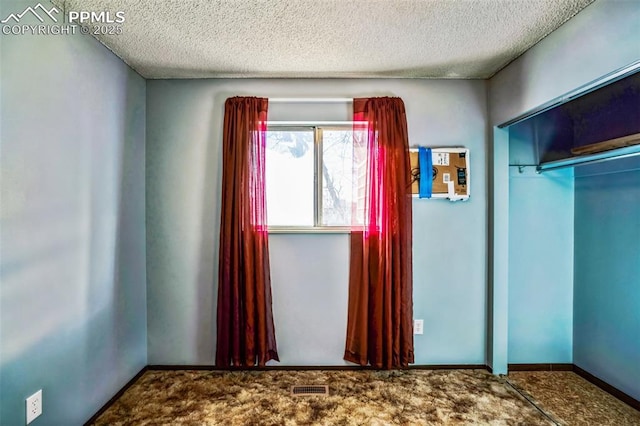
point(309, 271)
point(72, 271)
point(540, 266)
point(602, 38)
point(540, 246)
point(607, 273)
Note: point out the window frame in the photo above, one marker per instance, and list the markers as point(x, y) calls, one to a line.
point(317, 128)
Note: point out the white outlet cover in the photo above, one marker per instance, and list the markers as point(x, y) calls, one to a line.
point(34, 406)
point(418, 326)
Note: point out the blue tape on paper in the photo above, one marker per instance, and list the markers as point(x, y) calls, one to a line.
point(426, 172)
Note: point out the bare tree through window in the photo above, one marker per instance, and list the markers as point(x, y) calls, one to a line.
point(292, 167)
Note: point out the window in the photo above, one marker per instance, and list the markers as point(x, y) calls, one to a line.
point(309, 177)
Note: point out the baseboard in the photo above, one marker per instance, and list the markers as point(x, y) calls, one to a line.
point(450, 367)
point(317, 367)
point(627, 399)
point(258, 368)
point(540, 367)
point(115, 397)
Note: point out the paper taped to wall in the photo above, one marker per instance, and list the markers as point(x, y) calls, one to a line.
point(450, 176)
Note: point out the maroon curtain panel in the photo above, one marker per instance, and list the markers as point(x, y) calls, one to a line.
point(245, 331)
point(380, 308)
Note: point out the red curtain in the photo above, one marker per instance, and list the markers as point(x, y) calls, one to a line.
point(246, 334)
point(379, 325)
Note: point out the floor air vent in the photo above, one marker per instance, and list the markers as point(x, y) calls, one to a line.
point(306, 390)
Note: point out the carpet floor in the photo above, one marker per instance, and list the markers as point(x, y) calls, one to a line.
point(360, 397)
point(571, 400)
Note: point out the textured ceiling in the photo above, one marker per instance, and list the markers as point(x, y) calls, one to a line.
point(327, 38)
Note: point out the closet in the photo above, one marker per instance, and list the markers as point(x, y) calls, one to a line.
point(574, 236)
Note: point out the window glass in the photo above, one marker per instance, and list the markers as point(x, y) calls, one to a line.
point(337, 150)
point(290, 177)
point(309, 177)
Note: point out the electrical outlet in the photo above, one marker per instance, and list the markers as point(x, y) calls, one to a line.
point(34, 406)
point(418, 326)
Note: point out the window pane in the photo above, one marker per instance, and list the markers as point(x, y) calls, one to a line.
point(337, 150)
point(289, 177)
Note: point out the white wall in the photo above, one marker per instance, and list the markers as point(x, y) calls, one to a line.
point(72, 271)
point(309, 272)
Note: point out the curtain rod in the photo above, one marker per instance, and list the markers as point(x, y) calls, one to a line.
point(310, 100)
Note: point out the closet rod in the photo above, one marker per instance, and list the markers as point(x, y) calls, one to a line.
point(310, 100)
point(614, 154)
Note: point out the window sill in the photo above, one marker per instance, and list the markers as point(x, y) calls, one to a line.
point(309, 230)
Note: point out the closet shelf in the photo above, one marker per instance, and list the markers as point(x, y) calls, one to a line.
point(627, 146)
point(608, 145)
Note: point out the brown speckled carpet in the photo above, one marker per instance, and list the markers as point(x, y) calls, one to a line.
point(362, 397)
point(571, 400)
